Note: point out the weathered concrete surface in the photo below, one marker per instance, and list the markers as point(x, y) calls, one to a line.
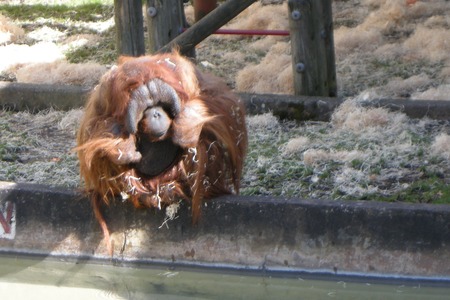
point(34, 97)
point(321, 108)
point(365, 238)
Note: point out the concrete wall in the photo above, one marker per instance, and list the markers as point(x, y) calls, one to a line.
point(253, 233)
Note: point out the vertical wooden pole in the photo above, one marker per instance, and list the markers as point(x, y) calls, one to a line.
point(129, 27)
point(312, 47)
point(327, 42)
point(165, 21)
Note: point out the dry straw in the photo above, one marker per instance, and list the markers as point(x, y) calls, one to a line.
point(61, 72)
point(9, 32)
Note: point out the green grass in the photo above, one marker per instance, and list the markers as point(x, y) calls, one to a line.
point(401, 69)
point(87, 11)
point(67, 18)
point(434, 190)
point(104, 53)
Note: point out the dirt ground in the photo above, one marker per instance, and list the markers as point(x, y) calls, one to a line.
point(395, 49)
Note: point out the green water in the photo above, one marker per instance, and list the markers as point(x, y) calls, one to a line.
point(25, 278)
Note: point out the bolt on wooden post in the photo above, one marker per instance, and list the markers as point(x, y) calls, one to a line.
point(165, 21)
point(129, 27)
point(312, 47)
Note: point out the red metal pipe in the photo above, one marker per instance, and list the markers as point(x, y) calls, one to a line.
point(250, 32)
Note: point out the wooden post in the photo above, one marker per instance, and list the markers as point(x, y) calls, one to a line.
point(207, 25)
point(312, 47)
point(165, 21)
point(129, 27)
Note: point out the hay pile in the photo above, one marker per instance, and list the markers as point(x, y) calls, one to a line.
point(278, 59)
point(36, 148)
point(39, 55)
point(396, 49)
point(9, 32)
point(399, 48)
point(61, 72)
point(363, 153)
point(272, 75)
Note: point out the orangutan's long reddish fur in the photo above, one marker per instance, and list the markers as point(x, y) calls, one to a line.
point(210, 129)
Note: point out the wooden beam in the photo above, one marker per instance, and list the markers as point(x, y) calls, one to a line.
point(207, 25)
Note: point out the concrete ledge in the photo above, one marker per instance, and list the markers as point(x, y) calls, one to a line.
point(321, 108)
point(249, 233)
point(35, 97)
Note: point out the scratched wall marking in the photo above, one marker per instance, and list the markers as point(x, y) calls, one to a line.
point(7, 220)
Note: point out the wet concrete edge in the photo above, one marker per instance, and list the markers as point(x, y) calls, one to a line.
point(262, 234)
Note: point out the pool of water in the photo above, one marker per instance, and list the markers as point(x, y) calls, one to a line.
point(32, 278)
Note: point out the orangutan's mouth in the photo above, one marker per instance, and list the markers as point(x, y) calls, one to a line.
point(157, 157)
